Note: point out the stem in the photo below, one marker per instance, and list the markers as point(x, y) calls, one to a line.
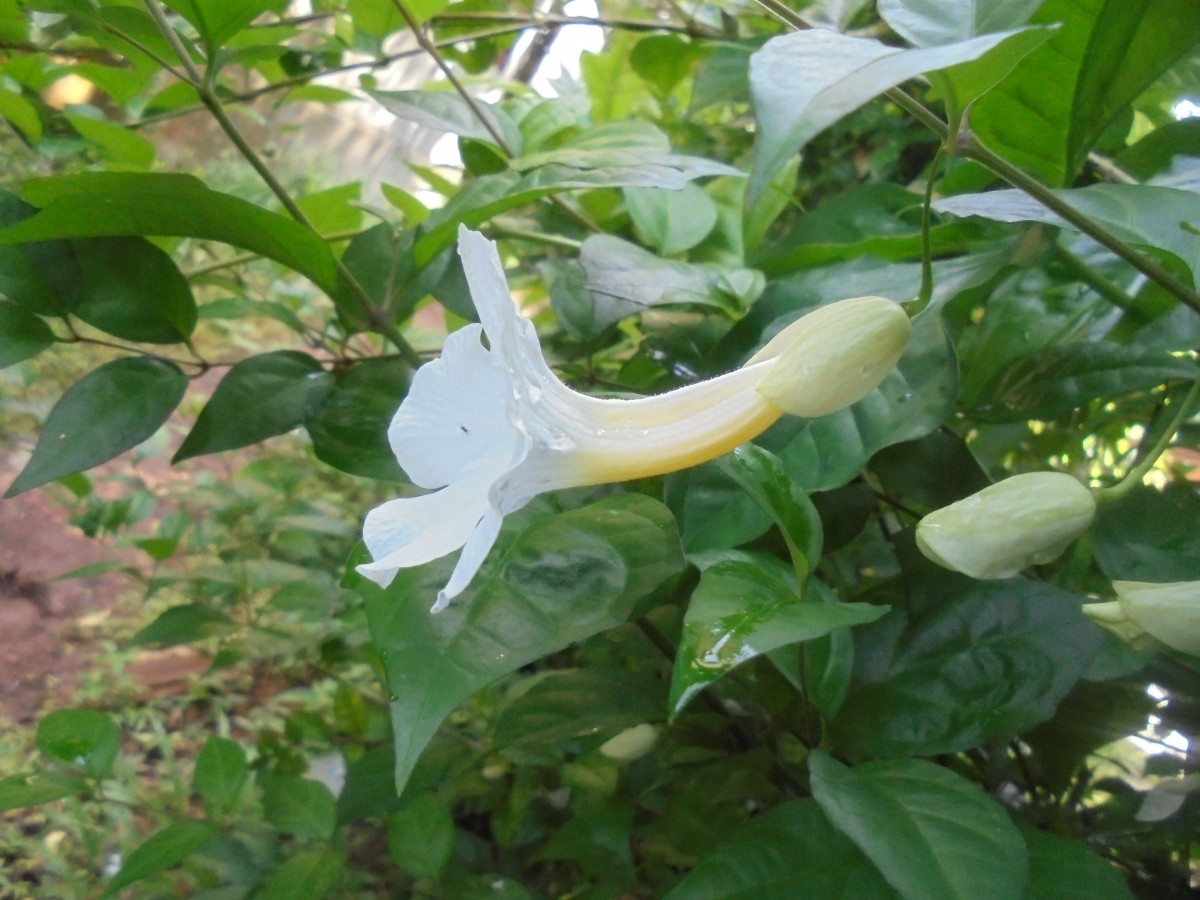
point(536, 237)
point(1081, 271)
point(1146, 463)
point(205, 87)
point(970, 147)
point(925, 294)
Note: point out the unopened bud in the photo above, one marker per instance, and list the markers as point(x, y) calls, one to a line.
point(1167, 612)
point(632, 743)
point(834, 356)
point(1021, 521)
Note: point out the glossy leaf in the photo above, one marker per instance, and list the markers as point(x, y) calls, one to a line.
point(22, 334)
point(930, 23)
point(741, 610)
point(258, 398)
point(1105, 53)
point(161, 851)
point(299, 806)
point(987, 660)
point(933, 834)
point(561, 580)
point(805, 81)
point(173, 205)
point(349, 430)
point(108, 411)
point(20, 791)
point(85, 739)
point(790, 852)
point(220, 773)
point(1062, 869)
point(1141, 214)
point(713, 511)
point(761, 475)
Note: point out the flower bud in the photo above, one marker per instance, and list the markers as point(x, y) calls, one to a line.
point(1021, 521)
point(834, 356)
point(1168, 612)
point(632, 743)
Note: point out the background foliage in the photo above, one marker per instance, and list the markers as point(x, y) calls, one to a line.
point(737, 680)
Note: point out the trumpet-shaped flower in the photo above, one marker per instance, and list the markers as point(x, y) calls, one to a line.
point(492, 427)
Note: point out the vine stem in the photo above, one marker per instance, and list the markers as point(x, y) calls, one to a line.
point(1135, 475)
point(206, 89)
point(969, 146)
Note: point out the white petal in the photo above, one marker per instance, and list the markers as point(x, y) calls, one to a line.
point(415, 530)
point(473, 555)
point(455, 414)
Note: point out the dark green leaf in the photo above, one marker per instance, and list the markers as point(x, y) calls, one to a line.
point(932, 833)
point(311, 874)
point(562, 580)
point(161, 851)
point(258, 398)
point(184, 625)
point(713, 511)
point(108, 411)
point(934, 471)
point(1104, 55)
point(987, 660)
point(664, 60)
point(175, 205)
point(761, 475)
point(743, 609)
point(790, 852)
point(1149, 535)
point(220, 773)
point(1062, 869)
point(241, 308)
point(19, 791)
point(349, 431)
point(22, 334)
point(299, 806)
point(82, 738)
point(219, 20)
point(421, 836)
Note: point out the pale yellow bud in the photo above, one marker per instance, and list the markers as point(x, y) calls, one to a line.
point(1168, 612)
point(834, 356)
point(1021, 521)
point(632, 743)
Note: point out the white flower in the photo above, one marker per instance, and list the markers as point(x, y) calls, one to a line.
point(493, 427)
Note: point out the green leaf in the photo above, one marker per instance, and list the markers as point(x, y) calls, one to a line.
point(299, 806)
point(1103, 56)
point(741, 610)
point(333, 209)
point(805, 81)
point(115, 142)
point(1062, 869)
point(258, 398)
point(22, 334)
point(932, 833)
point(108, 411)
point(20, 791)
point(349, 431)
point(761, 475)
point(133, 290)
point(1149, 535)
point(713, 510)
point(1141, 214)
point(184, 624)
point(219, 20)
point(790, 852)
point(39, 276)
point(311, 874)
point(448, 112)
point(558, 582)
point(613, 85)
point(21, 114)
point(381, 19)
point(85, 739)
point(673, 221)
point(576, 708)
point(987, 660)
point(171, 205)
point(930, 23)
point(664, 60)
point(161, 851)
point(220, 773)
point(243, 308)
point(421, 836)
